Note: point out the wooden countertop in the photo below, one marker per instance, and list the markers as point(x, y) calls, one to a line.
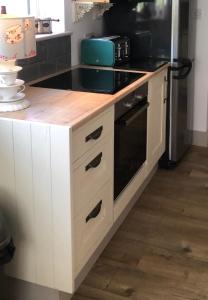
point(69, 108)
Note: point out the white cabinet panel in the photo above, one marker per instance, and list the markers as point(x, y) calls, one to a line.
point(35, 173)
point(156, 124)
point(92, 133)
point(24, 263)
point(89, 180)
point(91, 225)
point(43, 217)
point(62, 207)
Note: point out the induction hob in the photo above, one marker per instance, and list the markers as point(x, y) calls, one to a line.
point(91, 80)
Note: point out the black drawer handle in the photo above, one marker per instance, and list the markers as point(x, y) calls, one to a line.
point(95, 162)
point(94, 135)
point(95, 212)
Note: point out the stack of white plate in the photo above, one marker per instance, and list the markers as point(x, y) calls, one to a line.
point(12, 97)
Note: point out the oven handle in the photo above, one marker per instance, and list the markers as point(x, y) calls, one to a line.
point(125, 121)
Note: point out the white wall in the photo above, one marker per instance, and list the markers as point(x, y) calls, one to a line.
point(86, 26)
point(199, 48)
point(80, 29)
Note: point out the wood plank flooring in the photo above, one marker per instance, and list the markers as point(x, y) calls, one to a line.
point(161, 250)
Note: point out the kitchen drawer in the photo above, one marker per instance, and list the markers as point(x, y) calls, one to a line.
point(86, 137)
point(92, 224)
point(92, 171)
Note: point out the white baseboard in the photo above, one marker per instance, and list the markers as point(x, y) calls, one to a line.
point(200, 138)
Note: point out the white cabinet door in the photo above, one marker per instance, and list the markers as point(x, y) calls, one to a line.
point(156, 124)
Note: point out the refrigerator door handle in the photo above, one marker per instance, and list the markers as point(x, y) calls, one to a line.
point(184, 68)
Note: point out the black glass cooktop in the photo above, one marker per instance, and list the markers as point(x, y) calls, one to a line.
point(145, 65)
point(91, 80)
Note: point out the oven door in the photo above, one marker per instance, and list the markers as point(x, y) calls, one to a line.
point(130, 145)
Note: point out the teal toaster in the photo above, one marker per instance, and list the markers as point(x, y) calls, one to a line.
point(105, 51)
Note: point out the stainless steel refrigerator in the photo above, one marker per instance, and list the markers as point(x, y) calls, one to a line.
point(159, 30)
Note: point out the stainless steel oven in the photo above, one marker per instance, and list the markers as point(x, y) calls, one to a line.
point(130, 137)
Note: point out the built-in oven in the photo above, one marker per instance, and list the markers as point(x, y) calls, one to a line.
point(130, 137)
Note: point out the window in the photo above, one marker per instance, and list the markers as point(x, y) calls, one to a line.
point(19, 7)
point(40, 9)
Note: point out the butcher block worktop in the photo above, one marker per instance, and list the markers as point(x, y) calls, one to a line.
point(69, 108)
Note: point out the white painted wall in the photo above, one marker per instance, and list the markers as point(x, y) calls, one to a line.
point(87, 25)
point(80, 29)
point(199, 50)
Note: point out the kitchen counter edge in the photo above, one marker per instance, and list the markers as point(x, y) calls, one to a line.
point(70, 108)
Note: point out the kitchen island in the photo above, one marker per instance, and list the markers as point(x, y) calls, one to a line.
point(62, 213)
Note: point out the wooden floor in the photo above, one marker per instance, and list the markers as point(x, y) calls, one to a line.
point(161, 250)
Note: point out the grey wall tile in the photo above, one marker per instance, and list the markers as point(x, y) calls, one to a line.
point(52, 55)
point(30, 72)
point(62, 62)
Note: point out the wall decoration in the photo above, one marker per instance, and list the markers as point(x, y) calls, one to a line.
point(80, 8)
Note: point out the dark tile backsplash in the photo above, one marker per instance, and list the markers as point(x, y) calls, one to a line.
point(53, 55)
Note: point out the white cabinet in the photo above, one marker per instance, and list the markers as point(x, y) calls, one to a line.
point(92, 182)
point(156, 123)
point(56, 189)
point(90, 134)
point(92, 171)
point(92, 223)
point(35, 196)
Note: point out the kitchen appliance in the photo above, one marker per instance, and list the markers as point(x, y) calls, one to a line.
point(168, 23)
point(105, 51)
point(130, 137)
point(44, 26)
point(141, 45)
point(140, 56)
point(91, 80)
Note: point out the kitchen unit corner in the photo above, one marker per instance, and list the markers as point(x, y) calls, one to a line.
point(57, 170)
